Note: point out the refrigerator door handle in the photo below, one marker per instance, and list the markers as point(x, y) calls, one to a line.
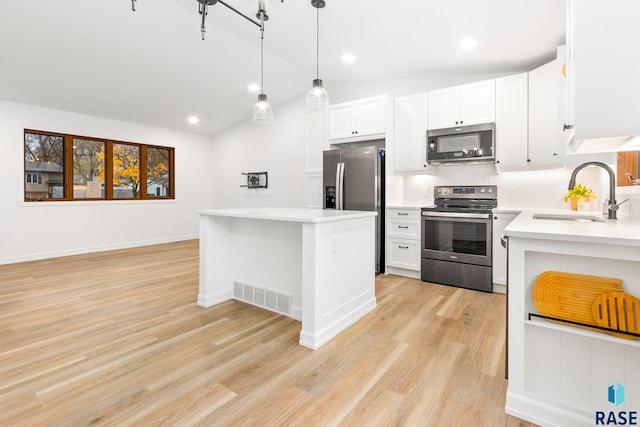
point(340, 186)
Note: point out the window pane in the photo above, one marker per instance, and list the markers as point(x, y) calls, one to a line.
point(158, 163)
point(88, 169)
point(126, 171)
point(43, 166)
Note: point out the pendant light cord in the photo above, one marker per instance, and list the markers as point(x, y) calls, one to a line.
point(262, 56)
point(317, 42)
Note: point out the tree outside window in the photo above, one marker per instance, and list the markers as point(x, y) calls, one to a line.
point(88, 162)
point(44, 160)
point(158, 161)
point(66, 167)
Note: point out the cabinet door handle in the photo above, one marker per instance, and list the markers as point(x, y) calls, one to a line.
point(403, 213)
point(567, 127)
point(403, 226)
point(403, 247)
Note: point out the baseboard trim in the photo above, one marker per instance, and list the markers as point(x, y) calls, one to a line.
point(317, 340)
point(93, 249)
point(209, 300)
point(403, 272)
point(542, 413)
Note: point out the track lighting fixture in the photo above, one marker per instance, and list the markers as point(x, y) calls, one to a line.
point(262, 112)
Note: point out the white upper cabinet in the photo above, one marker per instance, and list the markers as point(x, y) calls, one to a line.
point(478, 102)
point(351, 121)
point(512, 122)
point(443, 108)
point(341, 121)
point(462, 105)
point(410, 133)
point(545, 127)
point(529, 109)
point(602, 44)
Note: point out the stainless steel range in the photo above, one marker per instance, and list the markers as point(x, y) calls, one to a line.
point(456, 237)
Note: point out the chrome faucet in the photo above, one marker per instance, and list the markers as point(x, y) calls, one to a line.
point(613, 206)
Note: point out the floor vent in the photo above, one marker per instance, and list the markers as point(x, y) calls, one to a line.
point(274, 301)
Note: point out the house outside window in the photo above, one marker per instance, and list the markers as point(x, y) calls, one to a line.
point(68, 167)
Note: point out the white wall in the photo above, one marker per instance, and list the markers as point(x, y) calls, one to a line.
point(37, 230)
point(277, 148)
point(349, 91)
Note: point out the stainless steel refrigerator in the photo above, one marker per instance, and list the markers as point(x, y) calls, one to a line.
point(353, 179)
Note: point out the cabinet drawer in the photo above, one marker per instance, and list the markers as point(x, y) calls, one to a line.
point(403, 253)
point(393, 213)
point(406, 228)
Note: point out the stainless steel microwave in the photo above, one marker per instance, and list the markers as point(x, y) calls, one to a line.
point(461, 144)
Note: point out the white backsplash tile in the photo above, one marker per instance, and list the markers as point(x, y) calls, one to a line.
point(530, 189)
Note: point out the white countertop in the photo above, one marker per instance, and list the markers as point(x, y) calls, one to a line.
point(505, 210)
point(289, 214)
point(618, 232)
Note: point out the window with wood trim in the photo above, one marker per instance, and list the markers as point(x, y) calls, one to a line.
point(69, 167)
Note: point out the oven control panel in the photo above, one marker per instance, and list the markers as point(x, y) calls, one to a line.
point(467, 192)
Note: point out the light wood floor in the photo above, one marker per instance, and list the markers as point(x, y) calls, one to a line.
point(116, 338)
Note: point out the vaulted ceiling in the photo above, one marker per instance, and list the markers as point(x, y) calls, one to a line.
point(151, 66)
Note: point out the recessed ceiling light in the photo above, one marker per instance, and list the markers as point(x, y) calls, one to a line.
point(193, 120)
point(468, 43)
point(349, 58)
point(253, 88)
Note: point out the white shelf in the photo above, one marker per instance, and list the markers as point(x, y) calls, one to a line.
point(542, 323)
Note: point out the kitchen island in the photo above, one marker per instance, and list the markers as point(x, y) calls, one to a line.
point(313, 265)
point(559, 374)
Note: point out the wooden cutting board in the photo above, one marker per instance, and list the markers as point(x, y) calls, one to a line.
point(617, 310)
point(571, 296)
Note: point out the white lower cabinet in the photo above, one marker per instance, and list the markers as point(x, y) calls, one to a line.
point(403, 253)
point(499, 263)
point(402, 241)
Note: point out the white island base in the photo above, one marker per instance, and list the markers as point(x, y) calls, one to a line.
point(313, 265)
point(560, 375)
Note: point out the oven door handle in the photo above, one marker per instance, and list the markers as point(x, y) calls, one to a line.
point(457, 215)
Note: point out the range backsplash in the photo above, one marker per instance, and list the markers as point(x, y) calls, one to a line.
point(531, 189)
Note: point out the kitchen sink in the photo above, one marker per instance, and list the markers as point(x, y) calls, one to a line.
point(561, 217)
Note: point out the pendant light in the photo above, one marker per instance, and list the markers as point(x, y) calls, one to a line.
point(262, 112)
point(317, 98)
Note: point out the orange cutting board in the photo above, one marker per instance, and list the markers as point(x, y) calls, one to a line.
point(617, 310)
point(570, 296)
